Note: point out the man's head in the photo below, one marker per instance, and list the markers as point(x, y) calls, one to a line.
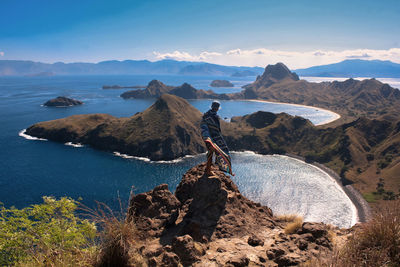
point(215, 105)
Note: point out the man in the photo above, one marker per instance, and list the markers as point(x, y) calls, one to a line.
point(211, 133)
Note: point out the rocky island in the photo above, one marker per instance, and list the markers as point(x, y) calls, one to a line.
point(156, 88)
point(62, 101)
point(221, 83)
point(122, 87)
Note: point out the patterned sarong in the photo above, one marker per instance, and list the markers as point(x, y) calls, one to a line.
point(211, 133)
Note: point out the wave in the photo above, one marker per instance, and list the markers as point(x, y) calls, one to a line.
point(73, 144)
point(23, 134)
point(175, 160)
point(126, 156)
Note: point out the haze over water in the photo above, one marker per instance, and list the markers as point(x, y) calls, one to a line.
point(31, 169)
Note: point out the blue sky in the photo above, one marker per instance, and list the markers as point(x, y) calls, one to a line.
point(300, 33)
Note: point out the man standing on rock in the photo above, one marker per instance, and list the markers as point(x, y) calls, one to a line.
point(211, 133)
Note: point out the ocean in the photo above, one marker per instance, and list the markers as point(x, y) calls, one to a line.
point(30, 169)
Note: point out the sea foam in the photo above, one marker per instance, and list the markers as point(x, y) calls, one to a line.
point(73, 144)
point(23, 134)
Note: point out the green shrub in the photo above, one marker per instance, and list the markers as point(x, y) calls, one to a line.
point(370, 197)
point(45, 234)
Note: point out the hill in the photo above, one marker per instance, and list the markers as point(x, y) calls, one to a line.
point(156, 88)
point(354, 68)
point(350, 98)
point(161, 132)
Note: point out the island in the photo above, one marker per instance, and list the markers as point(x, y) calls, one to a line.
point(62, 101)
point(122, 87)
point(244, 73)
point(221, 83)
point(156, 88)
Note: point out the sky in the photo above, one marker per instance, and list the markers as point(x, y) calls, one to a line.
point(299, 33)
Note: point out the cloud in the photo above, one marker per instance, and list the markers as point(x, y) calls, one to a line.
point(1, 53)
point(293, 59)
point(365, 55)
point(177, 55)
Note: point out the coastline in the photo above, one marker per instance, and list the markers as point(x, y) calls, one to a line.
point(336, 115)
point(363, 209)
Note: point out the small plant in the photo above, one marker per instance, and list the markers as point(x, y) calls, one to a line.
point(287, 217)
point(294, 225)
point(118, 238)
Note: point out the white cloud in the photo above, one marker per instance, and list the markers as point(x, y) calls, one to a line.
point(293, 59)
point(1, 53)
point(178, 55)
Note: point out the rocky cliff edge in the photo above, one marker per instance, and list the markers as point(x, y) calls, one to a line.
point(208, 222)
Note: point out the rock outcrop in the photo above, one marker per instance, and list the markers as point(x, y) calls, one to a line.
point(221, 83)
point(62, 101)
point(208, 222)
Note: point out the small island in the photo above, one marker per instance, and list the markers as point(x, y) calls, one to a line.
point(62, 101)
point(123, 87)
point(221, 83)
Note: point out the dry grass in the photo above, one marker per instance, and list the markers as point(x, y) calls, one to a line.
point(376, 243)
point(118, 239)
point(287, 217)
point(294, 223)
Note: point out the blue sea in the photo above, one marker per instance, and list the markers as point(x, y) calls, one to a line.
point(30, 169)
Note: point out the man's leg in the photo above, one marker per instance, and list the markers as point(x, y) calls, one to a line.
point(209, 162)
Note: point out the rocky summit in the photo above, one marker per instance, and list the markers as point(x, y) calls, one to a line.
point(208, 222)
point(273, 74)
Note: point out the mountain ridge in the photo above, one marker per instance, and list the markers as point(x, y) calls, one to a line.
point(354, 68)
point(125, 67)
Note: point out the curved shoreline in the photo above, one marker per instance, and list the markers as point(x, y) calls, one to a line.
point(362, 207)
point(364, 213)
point(336, 115)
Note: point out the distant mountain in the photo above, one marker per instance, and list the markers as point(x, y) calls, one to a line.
point(126, 67)
point(354, 68)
